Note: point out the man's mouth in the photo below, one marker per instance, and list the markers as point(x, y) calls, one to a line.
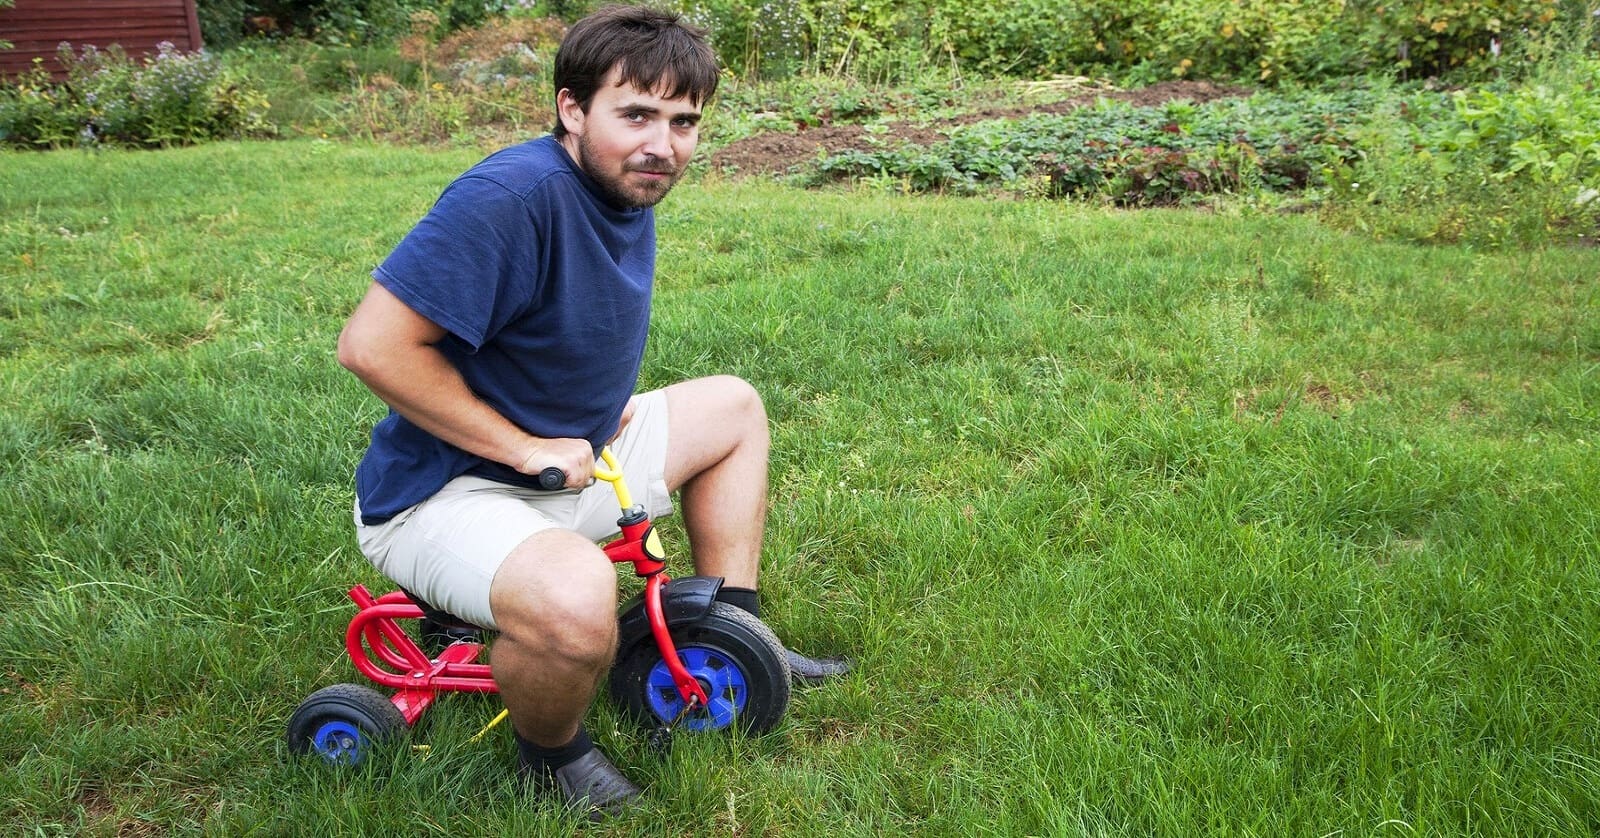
point(653, 166)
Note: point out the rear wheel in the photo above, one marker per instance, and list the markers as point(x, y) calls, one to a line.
point(737, 660)
point(341, 723)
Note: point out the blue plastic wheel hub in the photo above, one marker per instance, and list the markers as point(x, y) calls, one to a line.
point(724, 684)
point(340, 743)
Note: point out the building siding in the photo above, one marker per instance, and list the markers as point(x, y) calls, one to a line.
point(36, 28)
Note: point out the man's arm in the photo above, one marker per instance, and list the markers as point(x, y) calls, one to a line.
point(391, 348)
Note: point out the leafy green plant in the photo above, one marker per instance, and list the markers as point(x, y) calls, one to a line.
point(1134, 155)
point(35, 111)
point(344, 21)
point(226, 23)
point(1545, 132)
point(1496, 165)
point(222, 22)
point(753, 37)
point(490, 82)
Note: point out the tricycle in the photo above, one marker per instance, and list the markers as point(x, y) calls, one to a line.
point(684, 660)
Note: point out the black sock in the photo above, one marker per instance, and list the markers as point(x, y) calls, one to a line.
point(549, 760)
point(742, 598)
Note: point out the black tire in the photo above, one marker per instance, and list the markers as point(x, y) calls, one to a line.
point(737, 659)
point(341, 723)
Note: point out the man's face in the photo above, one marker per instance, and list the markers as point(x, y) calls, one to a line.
point(635, 144)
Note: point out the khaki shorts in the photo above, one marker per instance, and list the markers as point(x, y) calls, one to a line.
point(448, 548)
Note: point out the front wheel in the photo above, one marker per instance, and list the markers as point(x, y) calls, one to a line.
point(737, 660)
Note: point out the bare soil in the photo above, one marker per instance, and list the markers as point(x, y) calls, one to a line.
point(779, 152)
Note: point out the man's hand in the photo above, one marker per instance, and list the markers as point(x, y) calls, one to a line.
point(575, 457)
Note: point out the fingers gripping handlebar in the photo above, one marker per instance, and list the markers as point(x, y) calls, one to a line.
point(553, 478)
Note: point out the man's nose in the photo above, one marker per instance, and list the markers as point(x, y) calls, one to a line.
point(658, 140)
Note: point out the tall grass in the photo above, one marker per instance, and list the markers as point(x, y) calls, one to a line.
point(1135, 523)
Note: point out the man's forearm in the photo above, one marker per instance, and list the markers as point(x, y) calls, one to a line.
point(428, 391)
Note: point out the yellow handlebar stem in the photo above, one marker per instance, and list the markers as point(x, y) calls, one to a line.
point(612, 473)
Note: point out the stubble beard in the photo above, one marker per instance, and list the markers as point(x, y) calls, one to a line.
point(614, 188)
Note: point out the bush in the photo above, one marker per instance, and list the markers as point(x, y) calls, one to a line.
point(1268, 40)
point(171, 98)
point(753, 38)
point(488, 84)
point(1437, 37)
point(35, 111)
point(222, 22)
point(225, 23)
point(1503, 164)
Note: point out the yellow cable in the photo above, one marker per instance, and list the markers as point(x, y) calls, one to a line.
point(490, 726)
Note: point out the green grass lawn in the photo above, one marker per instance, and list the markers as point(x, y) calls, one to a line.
point(1136, 523)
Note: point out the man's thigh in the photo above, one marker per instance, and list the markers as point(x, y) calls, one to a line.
point(448, 548)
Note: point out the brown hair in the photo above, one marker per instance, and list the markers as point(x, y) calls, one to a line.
point(651, 49)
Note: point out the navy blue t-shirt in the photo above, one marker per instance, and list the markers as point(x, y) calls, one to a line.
point(545, 292)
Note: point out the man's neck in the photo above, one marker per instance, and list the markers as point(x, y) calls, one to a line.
point(569, 142)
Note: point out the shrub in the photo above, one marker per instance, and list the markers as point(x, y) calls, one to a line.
point(222, 22)
point(1544, 132)
point(171, 98)
point(752, 37)
point(1498, 165)
point(1026, 38)
point(1270, 40)
point(1436, 37)
point(489, 84)
point(507, 47)
point(1261, 39)
point(35, 111)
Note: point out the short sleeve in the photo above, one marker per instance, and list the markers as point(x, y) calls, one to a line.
point(470, 264)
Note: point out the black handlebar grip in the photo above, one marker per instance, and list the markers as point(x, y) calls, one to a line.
point(552, 479)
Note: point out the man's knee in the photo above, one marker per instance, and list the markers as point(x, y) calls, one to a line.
point(751, 412)
point(556, 594)
point(745, 399)
point(721, 401)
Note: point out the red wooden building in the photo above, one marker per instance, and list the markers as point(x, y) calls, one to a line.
point(36, 28)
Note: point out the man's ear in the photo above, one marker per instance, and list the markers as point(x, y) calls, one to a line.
point(570, 112)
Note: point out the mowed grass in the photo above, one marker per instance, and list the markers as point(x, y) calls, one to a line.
point(1135, 523)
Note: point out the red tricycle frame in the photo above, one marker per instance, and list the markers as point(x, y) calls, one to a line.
point(383, 652)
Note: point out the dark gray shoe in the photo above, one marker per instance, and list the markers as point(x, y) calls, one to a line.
point(810, 672)
point(590, 783)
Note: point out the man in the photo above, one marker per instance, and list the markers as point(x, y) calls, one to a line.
point(506, 333)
